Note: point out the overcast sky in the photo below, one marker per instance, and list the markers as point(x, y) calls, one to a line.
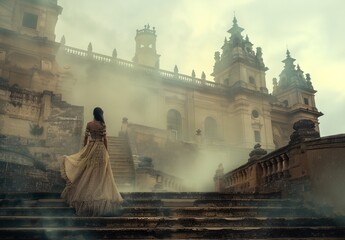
point(190, 31)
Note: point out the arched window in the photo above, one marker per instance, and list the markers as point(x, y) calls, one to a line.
point(174, 122)
point(210, 128)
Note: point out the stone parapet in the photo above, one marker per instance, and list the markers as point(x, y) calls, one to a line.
point(312, 169)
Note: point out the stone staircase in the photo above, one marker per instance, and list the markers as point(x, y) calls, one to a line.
point(121, 163)
point(168, 215)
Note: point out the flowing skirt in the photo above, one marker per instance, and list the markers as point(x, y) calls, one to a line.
point(90, 186)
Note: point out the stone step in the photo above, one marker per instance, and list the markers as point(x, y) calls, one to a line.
point(175, 233)
point(151, 195)
point(118, 143)
point(197, 195)
point(159, 203)
point(29, 195)
point(154, 222)
point(122, 165)
point(37, 211)
point(126, 171)
point(171, 211)
point(33, 203)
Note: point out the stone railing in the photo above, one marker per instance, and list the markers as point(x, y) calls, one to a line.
point(309, 166)
point(259, 175)
point(192, 80)
point(149, 179)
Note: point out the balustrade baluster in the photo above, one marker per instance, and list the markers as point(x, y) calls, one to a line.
point(264, 171)
point(280, 167)
point(269, 172)
point(286, 165)
point(274, 164)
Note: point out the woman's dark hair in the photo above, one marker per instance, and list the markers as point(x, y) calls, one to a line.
point(98, 115)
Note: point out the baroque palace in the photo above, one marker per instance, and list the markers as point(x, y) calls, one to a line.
point(177, 136)
point(233, 111)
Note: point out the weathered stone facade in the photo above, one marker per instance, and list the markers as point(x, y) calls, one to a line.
point(181, 117)
point(36, 126)
point(235, 110)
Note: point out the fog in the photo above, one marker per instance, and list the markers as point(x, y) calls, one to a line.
point(189, 33)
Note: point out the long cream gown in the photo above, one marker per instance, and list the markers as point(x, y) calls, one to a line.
point(90, 186)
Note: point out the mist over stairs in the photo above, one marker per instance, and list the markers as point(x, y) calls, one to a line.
point(121, 163)
point(167, 215)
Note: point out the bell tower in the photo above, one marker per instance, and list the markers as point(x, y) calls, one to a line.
point(242, 71)
point(295, 92)
point(239, 63)
point(27, 43)
point(145, 51)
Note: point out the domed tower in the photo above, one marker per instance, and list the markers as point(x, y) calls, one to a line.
point(295, 92)
point(145, 52)
point(239, 63)
point(242, 70)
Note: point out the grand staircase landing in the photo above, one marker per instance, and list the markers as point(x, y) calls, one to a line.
point(121, 163)
point(168, 216)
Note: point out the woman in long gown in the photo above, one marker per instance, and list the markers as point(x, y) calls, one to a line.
point(90, 186)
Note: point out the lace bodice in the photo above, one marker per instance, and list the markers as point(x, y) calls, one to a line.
point(95, 130)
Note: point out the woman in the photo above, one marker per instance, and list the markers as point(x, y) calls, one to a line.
point(90, 186)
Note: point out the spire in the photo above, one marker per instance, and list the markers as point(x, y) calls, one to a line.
point(235, 30)
point(292, 75)
point(289, 62)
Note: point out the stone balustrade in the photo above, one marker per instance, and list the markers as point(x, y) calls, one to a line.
point(285, 166)
point(309, 166)
point(149, 179)
point(167, 75)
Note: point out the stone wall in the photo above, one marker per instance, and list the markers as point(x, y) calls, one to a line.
point(37, 126)
point(22, 178)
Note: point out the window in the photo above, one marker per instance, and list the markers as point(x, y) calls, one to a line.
point(174, 122)
point(226, 81)
point(286, 103)
point(251, 80)
point(306, 101)
point(30, 20)
point(257, 136)
point(210, 128)
point(255, 114)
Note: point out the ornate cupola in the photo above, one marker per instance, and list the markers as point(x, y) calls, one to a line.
point(292, 77)
point(239, 63)
point(294, 91)
point(145, 51)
